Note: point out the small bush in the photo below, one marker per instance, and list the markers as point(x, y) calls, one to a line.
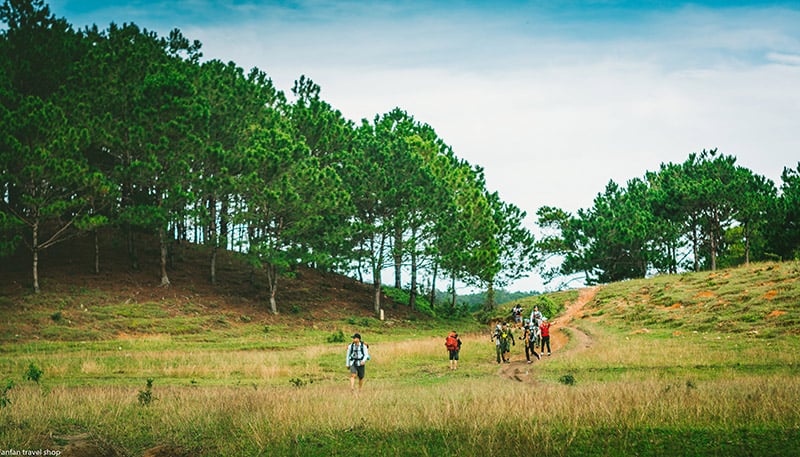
point(34, 373)
point(546, 305)
point(145, 396)
point(337, 337)
point(567, 380)
point(297, 382)
point(4, 400)
point(56, 316)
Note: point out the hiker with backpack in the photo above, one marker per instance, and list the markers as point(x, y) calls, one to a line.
point(357, 356)
point(517, 314)
point(536, 320)
point(453, 345)
point(536, 316)
point(498, 330)
point(531, 332)
point(504, 339)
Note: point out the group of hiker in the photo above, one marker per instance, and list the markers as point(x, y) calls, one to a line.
point(536, 333)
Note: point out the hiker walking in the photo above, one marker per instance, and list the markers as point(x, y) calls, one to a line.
point(536, 320)
point(453, 345)
point(517, 313)
point(498, 330)
point(504, 339)
point(545, 329)
point(357, 356)
point(531, 332)
point(536, 316)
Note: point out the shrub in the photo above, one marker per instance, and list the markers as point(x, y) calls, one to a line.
point(145, 396)
point(422, 304)
point(337, 337)
point(4, 400)
point(567, 380)
point(34, 373)
point(546, 305)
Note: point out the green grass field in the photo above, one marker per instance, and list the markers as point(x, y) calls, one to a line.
point(694, 364)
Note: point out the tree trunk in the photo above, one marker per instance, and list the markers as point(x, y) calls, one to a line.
point(712, 235)
point(273, 305)
point(223, 223)
point(272, 280)
point(453, 287)
point(162, 238)
point(96, 252)
point(673, 267)
point(35, 246)
point(397, 254)
point(433, 285)
point(490, 296)
point(412, 295)
point(377, 266)
point(746, 244)
point(212, 237)
point(214, 265)
point(376, 286)
point(695, 249)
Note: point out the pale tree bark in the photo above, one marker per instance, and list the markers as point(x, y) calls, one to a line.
point(162, 238)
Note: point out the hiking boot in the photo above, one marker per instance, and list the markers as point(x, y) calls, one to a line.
point(548, 354)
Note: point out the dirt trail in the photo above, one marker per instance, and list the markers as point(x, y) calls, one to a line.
point(519, 369)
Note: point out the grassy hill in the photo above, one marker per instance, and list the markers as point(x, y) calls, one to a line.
point(760, 300)
point(78, 305)
point(692, 364)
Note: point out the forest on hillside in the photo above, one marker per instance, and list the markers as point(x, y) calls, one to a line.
point(122, 130)
point(703, 214)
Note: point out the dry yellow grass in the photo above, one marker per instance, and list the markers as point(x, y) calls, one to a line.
point(272, 415)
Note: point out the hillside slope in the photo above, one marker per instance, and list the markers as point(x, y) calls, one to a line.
point(760, 299)
point(77, 304)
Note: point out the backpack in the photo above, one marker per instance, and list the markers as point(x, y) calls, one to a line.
point(357, 352)
point(451, 343)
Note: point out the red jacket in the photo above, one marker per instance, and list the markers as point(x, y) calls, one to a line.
point(545, 328)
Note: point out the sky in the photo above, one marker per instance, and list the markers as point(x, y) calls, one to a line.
point(553, 99)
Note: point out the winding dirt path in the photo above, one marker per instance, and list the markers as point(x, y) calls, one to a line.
point(519, 369)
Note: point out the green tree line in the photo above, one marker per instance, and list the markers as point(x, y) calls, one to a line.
point(702, 214)
point(123, 129)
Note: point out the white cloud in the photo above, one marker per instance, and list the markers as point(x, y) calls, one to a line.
point(784, 59)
